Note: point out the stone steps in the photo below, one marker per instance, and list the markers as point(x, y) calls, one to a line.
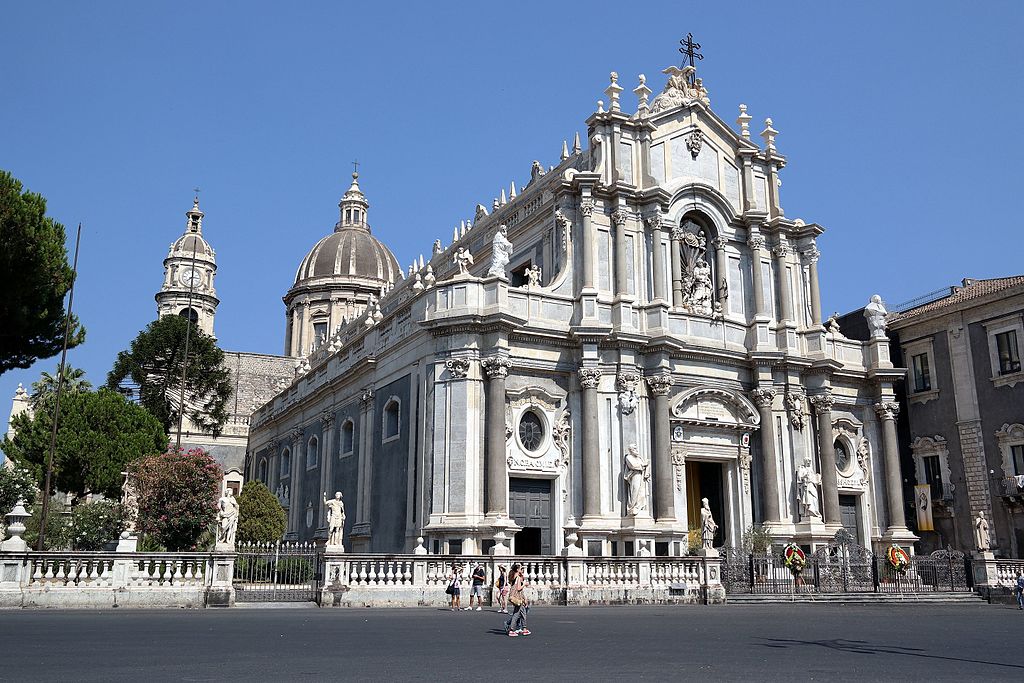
point(959, 597)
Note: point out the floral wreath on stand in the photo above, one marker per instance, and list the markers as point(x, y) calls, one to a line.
point(898, 558)
point(794, 558)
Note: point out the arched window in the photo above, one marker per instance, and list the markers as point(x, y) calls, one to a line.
point(190, 314)
point(261, 471)
point(286, 464)
point(348, 442)
point(312, 452)
point(392, 419)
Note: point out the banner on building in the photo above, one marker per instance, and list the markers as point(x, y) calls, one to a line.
point(923, 504)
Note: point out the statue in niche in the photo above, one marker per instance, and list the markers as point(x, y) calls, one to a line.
point(532, 277)
point(335, 519)
point(697, 282)
point(708, 527)
point(982, 539)
point(463, 259)
point(637, 474)
point(700, 297)
point(875, 313)
point(227, 519)
point(501, 253)
point(807, 490)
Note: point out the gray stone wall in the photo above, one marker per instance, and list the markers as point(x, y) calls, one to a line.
point(390, 468)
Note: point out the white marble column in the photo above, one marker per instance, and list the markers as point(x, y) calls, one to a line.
point(297, 465)
point(677, 267)
point(589, 378)
point(619, 218)
point(588, 245)
point(812, 256)
point(657, 256)
point(496, 368)
point(763, 398)
point(827, 454)
point(721, 287)
point(326, 462)
point(786, 299)
point(661, 442)
point(361, 527)
point(756, 244)
point(887, 412)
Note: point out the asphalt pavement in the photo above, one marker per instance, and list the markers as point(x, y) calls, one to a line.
point(729, 642)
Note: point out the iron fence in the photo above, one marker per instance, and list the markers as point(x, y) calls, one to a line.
point(278, 572)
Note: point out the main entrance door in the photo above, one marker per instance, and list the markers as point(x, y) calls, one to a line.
point(530, 508)
point(848, 516)
point(705, 480)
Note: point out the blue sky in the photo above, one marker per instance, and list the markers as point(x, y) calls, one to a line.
point(899, 122)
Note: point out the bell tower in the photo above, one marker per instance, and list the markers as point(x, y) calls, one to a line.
point(189, 269)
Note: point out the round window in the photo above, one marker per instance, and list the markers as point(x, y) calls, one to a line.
point(531, 430)
point(842, 457)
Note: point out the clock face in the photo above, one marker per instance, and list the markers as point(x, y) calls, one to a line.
point(190, 277)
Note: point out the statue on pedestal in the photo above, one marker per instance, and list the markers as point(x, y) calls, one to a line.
point(807, 487)
point(708, 527)
point(335, 520)
point(982, 539)
point(227, 519)
point(637, 474)
point(463, 259)
point(875, 313)
point(501, 253)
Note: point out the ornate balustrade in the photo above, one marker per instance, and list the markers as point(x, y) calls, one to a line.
point(1007, 571)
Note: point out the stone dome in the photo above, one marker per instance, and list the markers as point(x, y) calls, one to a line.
point(189, 241)
point(350, 252)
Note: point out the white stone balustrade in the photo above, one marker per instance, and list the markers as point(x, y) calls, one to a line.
point(1007, 571)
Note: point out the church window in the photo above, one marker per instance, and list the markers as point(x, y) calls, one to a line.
point(392, 419)
point(933, 475)
point(1017, 455)
point(261, 472)
point(1009, 355)
point(531, 431)
point(319, 331)
point(190, 314)
point(922, 372)
point(347, 444)
point(312, 453)
point(286, 463)
point(842, 456)
point(348, 215)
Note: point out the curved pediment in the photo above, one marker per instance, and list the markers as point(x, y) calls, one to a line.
point(716, 406)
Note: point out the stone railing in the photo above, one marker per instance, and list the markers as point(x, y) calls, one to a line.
point(1007, 571)
point(115, 579)
point(420, 580)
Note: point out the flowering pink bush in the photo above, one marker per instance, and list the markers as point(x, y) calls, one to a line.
point(178, 493)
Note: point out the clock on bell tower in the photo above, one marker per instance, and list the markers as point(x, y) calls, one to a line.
point(189, 269)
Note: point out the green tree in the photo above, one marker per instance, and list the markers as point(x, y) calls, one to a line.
point(16, 483)
point(178, 494)
point(46, 388)
point(98, 435)
point(34, 277)
point(154, 363)
point(94, 525)
point(261, 518)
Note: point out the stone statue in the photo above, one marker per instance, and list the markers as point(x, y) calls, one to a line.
point(875, 313)
point(832, 324)
point(501, 253)
point(335, 519)
point(532, 277)
point(637, 474)
point(130, 503)
point(707, 525)
point(700, 299)
point(807, 490)
point(981, 536)
point(227, 519)
point(463, 259)
point(437, 247)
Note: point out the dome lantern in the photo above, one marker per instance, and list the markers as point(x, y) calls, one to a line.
point(353, 207)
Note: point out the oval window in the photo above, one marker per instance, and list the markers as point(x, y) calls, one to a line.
point(531, 430)
point(842, 457)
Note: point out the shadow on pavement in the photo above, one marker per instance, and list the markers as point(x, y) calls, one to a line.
point(864, 647)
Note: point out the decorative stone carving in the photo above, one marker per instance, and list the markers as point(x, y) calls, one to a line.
point(719, 242)
point(366, 398)
point(463, 259)
point(795, 406)
point(755, 242)
point(763, 397)
point(694, 142)
point(295, 434)
point(875, 314)
point(587, 207)
point(745, 460)
point(458, 368)
point(437, 247)
point(619, 217)
point(326, 419)
point(679, 467)
point(698, 289)
point(533, 275)
point(660, 385)
point(626, 384)
point(653, 221)
point(637, 473)
point(496, 367)
point(501, 253)
point(335, 520)
point(227, 520)
point(708, 527)
point(130, 503)
point(864, 460)
point(429, 279)
point(811, 255)
point(679, 90)
point(887, 410)
point(561, 435)
point(823, 402)
point(589, 377)
point(780, 250)
point(807, 481)
point(982, 539)
point(832, 325)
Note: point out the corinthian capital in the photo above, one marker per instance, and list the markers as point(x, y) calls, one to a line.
point(458, 368)
point(327, 419)
point(719, 242)
point(366, 398)
point(755, 242)
point(887, 410)
point(587, 207)
point(780, 250)
point(811, 255)
point(653, 221)
point(661, 384)
point(620, 216)
point(496, 367)
point(823, 402)
point(763, 397)
point(589, 377)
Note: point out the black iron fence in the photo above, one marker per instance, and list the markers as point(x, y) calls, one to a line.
point(278, 572)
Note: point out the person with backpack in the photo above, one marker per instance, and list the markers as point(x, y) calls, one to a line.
point(454, 590)
point(501, 588)
point(515, 625)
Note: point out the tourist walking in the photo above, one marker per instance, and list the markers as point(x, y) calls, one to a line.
point(477, 586)
point(515, 625)
point(454, 590)
point(1020, 590)
point(501, 588)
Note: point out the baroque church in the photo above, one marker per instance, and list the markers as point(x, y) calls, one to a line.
point(635, 331)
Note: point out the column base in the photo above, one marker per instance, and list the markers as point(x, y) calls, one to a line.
point(900, 535)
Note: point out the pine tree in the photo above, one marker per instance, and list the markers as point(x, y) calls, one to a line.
point(261, 519)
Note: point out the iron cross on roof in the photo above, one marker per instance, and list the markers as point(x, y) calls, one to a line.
point(689, 51)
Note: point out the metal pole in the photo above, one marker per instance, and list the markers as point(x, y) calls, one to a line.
point(56, 404)
point(188, 333)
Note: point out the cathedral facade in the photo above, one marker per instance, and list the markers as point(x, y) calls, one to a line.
point(634, 334)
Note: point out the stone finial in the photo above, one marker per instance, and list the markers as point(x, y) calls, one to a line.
point(769, 134)
point(417, 284)
point(422, 263)
point(16, 527)
point(419, 549)
point(600, 106)
point(576, 147)
point(565, 151)
point(613, 90)
point(642, 93)
point(504, 200)
point(429, 279)
point(455, 235)
point(743, 121)
point(512, 190)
